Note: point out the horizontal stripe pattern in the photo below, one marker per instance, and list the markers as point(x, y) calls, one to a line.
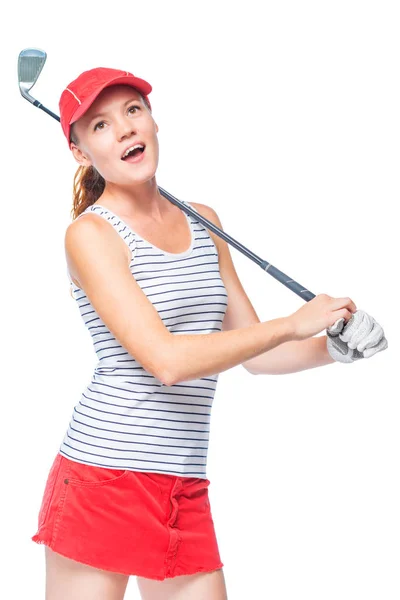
point(126, 418)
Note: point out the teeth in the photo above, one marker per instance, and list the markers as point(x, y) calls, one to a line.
point(128, 150)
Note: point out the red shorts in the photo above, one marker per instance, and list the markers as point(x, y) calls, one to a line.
point(132, 522)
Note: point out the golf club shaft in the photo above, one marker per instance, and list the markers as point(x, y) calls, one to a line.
point(46, 110)
point(265, 265)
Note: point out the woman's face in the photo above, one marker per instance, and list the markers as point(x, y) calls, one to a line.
point(117, 119)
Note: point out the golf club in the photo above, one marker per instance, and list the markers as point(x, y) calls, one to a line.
point(30, 65)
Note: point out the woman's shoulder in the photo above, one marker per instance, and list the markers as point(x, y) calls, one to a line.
point(91, 228)
point(205, 210)
point(209, 213)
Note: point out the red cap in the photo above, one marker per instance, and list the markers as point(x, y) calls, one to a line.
point(83, 91)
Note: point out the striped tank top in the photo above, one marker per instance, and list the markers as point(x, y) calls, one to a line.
point(126, 418)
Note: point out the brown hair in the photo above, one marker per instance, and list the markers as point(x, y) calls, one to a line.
point(88, 183)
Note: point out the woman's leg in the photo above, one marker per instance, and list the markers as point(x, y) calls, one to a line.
point(67, 579)
point(185, 587)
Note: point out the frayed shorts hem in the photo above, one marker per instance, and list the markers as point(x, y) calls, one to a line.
point(37, 539)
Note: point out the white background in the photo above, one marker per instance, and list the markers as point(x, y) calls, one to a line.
point(284, 117)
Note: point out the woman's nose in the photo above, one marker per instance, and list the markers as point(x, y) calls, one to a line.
point(124, 128)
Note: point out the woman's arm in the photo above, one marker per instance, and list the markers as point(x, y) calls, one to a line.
point(289, 357)
point(210, 353)
point(97, 260)
point(292, 357)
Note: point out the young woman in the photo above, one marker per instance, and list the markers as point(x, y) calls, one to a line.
point(127, 493)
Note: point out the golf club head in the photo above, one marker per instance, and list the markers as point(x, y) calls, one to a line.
point(30, 64)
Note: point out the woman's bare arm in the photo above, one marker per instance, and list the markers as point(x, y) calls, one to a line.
point(210, 353)
point(97, 259)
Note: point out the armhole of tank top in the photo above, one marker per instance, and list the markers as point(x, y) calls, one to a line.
point(205, 228)
point(115, 222)
point(72, 284)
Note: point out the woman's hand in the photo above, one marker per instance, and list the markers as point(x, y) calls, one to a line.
point(361, 337)
point(318, 314)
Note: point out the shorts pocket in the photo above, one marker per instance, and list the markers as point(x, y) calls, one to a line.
point(83, 475)
point(49, 490)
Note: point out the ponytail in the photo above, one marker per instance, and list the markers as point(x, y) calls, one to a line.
point(88, 187)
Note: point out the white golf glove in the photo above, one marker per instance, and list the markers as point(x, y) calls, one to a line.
point(361, 337)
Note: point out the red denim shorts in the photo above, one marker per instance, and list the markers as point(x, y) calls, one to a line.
point(132, 522)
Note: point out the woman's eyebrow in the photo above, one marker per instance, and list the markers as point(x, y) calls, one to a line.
point(103, 114)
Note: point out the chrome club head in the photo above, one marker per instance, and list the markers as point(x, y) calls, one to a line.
point(30, 64)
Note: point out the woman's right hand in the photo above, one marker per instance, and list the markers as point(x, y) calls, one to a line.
point(318, 314)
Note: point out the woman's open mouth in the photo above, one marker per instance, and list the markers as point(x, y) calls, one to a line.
point(135, 154)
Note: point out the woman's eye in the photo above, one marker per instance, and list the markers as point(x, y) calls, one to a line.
point(133, 106)
point(97, 124)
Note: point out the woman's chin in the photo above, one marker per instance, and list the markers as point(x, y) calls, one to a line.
point(140, 178)
point(138, 174)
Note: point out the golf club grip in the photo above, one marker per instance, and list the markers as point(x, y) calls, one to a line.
point(290, 283)
point(265, 265)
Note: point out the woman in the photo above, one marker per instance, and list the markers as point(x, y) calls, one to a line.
point(127, 493)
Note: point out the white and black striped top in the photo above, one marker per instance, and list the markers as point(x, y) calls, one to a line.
point(126, 418)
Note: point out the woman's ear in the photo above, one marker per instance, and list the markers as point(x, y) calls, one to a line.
point(79, 156)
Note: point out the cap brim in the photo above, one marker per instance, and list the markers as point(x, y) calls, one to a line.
point(140, 84)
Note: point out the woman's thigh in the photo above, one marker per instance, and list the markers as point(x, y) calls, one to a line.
point(209, 585)
point(67, 579)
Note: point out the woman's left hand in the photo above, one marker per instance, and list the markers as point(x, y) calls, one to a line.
point(361, 337)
